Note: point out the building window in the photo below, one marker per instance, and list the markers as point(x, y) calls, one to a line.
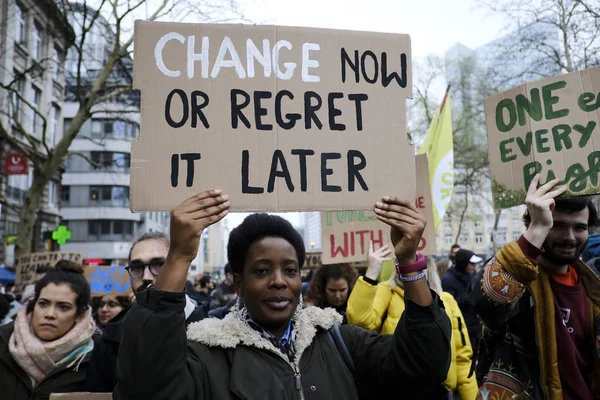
point(110, 160)
point(117, 129)
point(36, 99)
point(516, 235)
point(448, 239)
point(53, 126)
point(15, 106)
point(463, 238)
point(65, 194)
point(516, 223)
point(477, 223)
point(36, 42)
point(500, 238)
point(20, 24)
point(478, 238)
point(447, 224)
point(110, 195)
point(52, 194)
point(110, 229)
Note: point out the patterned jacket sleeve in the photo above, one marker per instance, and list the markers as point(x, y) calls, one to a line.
point(502, 282)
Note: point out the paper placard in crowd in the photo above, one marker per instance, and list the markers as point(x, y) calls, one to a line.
point(346, 234)
point(108, 280)
point(280, 118)
point(81, 396)
point(27, 265)
point(550, 127)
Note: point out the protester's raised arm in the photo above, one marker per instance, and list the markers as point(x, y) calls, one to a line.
point(188, 221)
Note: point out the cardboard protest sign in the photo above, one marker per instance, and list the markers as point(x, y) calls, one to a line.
point(280, 118)
point(108, 280)
point(346, 234)
point(312, 260)
point(81, 396)
point(28, 265)
point(548, 127)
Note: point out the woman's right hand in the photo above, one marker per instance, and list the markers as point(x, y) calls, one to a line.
point(190, 218)
point(375, 259)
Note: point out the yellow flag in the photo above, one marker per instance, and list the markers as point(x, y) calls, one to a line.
point(439, 147)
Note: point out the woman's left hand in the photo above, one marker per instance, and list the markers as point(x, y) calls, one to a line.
point(407, 226)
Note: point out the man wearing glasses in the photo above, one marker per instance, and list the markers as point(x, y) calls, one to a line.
point(146, 258)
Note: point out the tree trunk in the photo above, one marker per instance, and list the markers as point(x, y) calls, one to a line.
point(494, 229)
point(28, 214)
point(462, 217)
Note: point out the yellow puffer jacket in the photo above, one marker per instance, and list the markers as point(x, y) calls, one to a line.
point(367, 307)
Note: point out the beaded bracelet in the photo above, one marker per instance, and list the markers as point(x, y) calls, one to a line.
point(412, 278)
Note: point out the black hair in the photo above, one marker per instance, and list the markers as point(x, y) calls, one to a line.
point(228, 269)
point(70, 273)
point(256, 227)
point(160, 236)
point(454, 246)
point(4, 306)
point(43, 269)
point(571, 205)
point(205, 280)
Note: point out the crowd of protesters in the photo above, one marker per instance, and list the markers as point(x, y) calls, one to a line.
point(523, 324)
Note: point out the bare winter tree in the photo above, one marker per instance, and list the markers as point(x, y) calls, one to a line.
point(549, 37)
point(91, 78)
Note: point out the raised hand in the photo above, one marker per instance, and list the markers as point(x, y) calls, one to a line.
point(190, 218)
point(375, 259)
point(540, 204)
point(407, 226)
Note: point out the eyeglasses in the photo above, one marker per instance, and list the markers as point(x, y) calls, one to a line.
point(136, 269)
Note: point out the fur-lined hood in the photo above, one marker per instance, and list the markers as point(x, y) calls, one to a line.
point(230, 332)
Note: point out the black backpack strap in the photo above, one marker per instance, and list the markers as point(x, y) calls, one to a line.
point(338, 341)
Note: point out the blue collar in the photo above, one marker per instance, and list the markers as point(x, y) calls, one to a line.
point(286, 335)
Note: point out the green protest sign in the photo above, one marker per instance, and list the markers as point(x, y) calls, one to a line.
point(548, 127)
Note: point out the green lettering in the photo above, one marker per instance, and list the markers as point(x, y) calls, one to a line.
point(586, 132)
point(446, 192)
point(525, 146)
point(530, 170)
point(448, 178)
point(577, 178)
point(328, 218)
point(533, 107)
point(561, 133)
point(363, 217)
point(506, 151)
point(512, 115)
point(341, 216)
point(353, 216)
point(585, 99)
point(540, 140)
point(550, 101)
point(594, 165)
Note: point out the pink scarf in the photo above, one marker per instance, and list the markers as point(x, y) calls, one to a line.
point(39, 358)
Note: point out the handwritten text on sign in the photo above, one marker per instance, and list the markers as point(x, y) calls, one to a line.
point(28, 265)
point(548, 127)
point(280, 118)
point(346, 234)
point(108, 280)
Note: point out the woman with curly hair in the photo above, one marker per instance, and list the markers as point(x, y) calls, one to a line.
point(331, 287)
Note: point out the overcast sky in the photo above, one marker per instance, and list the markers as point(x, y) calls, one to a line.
point(434, 26)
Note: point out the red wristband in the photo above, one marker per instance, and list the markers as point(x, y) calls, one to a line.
point(419, 265)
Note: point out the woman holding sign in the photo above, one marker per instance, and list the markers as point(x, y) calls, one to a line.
point(46, 350)
point(271, 347)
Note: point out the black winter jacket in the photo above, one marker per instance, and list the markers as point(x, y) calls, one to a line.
point(102, 373)
point(226, 359)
